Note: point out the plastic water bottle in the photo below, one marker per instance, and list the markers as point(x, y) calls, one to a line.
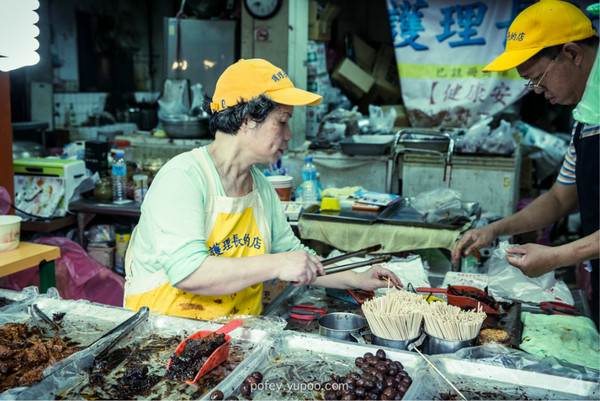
point(309, 181)
point(119, 178)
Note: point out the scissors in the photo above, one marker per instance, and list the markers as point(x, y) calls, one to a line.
point(555, 308)
point(306, 312)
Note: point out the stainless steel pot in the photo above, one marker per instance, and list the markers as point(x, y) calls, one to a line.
point(435, 345)
point(185, 127)
point(342, 326)
point(398, 344)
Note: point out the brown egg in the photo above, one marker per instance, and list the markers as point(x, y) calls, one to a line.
point(217, 395)
point(245, 389)
point(389, 392)
point(257, 375)
point(251, 381)
point(380, 354)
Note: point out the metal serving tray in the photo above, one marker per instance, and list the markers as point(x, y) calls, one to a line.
point(478, 381)
point(367, 144)
point(81, 323)
point(147, 349)
point(344, 215)
point(298, 364)
point(403, 214)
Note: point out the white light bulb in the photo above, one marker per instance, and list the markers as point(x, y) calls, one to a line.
point(18, 43)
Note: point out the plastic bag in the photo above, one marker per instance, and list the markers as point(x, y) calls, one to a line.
point(379, 121)
point(509, 282)
point(475, 136)
point(175, 99)
point(197, 100)
point(587, 109)
point(500, 141)
point(440, 205)
point(78, 275)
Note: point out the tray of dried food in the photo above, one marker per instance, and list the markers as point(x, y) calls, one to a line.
point(40, 335)
point(307, 367)
point(136, 366)
point(482, 381)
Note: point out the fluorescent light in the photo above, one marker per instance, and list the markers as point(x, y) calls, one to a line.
point(18, 43)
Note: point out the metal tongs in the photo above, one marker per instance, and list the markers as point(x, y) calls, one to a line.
point(350, 266)
point(36, 313)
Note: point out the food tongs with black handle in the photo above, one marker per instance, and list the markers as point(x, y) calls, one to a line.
point(350, 266)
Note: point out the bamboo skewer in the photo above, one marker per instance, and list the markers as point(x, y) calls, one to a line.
point(437, 370)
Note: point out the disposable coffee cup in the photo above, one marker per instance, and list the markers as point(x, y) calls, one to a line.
point(282, 185)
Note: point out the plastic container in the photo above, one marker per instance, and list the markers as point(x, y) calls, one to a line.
point(122, 238)
point(10, 232)
point(141, 187)
point(282, 185)
point(309, 181)
point(119, 178)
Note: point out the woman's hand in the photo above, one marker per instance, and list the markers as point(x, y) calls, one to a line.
point(299, 267)
point(376, 277)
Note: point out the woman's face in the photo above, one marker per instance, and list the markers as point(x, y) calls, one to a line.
point(270, 139)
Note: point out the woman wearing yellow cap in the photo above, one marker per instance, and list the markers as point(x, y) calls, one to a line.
point(212, 229)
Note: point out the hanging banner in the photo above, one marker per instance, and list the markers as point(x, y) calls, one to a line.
point(441, 47)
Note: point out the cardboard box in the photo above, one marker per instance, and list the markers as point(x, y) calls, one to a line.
point(354, 80)
point(319, 26)
point(272, 289)
point(104, 255)
point(401, 117)
point(385, 73)
point(360, 51)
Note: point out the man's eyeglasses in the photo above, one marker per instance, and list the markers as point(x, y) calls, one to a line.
point(532, 86)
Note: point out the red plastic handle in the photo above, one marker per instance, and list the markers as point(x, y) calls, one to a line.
point(434, 290)
point(560, 305)
point(234, 324)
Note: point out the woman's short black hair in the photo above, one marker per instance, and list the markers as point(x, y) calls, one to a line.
point(231, 119)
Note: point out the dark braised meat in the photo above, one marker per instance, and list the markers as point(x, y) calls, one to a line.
point(485, 299)
point(190, 360)
point(24, 356)
point(136, 381)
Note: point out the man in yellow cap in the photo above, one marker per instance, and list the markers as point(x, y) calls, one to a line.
point(553, 45)
point(212, 228)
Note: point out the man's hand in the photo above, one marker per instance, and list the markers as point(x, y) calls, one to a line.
point(534, 260)
point(471, 241)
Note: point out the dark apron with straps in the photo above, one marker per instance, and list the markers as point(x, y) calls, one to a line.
point(588, 183)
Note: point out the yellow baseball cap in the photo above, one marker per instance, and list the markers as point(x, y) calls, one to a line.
point(546, 23)
point(247, 79)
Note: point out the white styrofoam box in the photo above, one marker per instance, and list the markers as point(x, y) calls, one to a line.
point(492, 181)
point(338, 170)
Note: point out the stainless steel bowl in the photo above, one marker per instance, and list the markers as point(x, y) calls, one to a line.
point(185, 127)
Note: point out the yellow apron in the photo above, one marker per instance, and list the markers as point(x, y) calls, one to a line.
point(236, 227)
